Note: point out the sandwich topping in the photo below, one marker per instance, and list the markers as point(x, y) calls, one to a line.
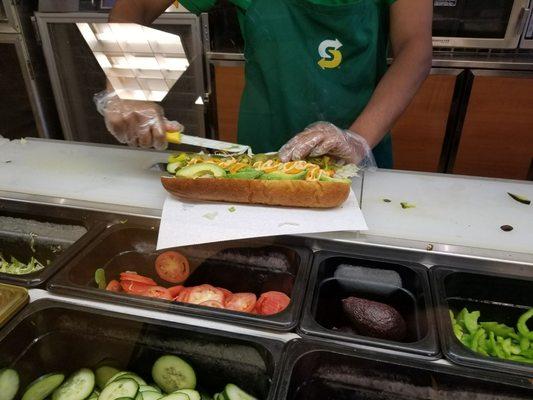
point(259, 166)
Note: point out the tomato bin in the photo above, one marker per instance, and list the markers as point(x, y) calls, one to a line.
point(258, 282)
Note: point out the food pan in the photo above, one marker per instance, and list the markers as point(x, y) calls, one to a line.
point(280, 266)
point(51, 336)
point(316, 371)
point(323, 315)
point(12, 299)
point(500, 297)
point(50, 234)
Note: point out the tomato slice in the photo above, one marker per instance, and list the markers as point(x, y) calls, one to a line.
point(243, 302)
point(183, 296)
point(135, 277)
point(270, 303)
point(172, 267)
point(158, 292)
point(134, 287)
point(203, 293)
point(226, 292)
point(212, 303)
point(114, 286)
point(175, 290)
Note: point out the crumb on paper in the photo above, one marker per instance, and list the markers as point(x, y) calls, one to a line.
point(23, 141)
point(210, 216)
point(386, 200)
point(232, 209)
point(288, 224)
point(405, 205)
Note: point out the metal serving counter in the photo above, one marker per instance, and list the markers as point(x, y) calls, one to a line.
point(453, 215)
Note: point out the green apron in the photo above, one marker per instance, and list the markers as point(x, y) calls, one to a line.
point(308, 61)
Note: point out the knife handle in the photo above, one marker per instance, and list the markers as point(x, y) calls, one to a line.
point(174, 137)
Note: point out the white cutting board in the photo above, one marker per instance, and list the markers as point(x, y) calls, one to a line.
point(100, 174)
point(449, 209)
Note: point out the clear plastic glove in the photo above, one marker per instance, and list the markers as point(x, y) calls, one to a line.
point(323, 138)
point(137, 123)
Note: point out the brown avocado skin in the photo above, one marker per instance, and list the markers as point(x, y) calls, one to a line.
point(374, 319)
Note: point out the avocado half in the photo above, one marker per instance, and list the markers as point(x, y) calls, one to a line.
point(374, 319)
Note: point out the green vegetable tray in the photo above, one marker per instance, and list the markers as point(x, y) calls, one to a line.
point(492, 327)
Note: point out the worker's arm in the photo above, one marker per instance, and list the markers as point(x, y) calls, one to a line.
point(142, 12)
point(410, 32)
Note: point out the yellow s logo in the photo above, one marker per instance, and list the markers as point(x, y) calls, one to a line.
point(330, 55)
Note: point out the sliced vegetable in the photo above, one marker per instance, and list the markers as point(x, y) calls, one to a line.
point(175, 290)
point(103, 374)
point(43, 387)
point(233, 392)
point(9, 384)
point(120, 388)
point(522, 324)
point(270, 303)
point(212, 303)
point(78, 386)
point(175, 396)
point(16, 267)
point(202, 293)
point(134, 287)
point(99, 278)
point(135, 277)
point(114, 286)
point(172, 373)
point(520, 199)
point(193, 394)
point(243, 302)
point(172, 267)
point(158, 292)
point(151, 395)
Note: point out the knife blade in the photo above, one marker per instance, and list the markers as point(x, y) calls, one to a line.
point(180, 138)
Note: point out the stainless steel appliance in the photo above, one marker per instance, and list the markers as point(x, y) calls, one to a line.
point(495, 24)
point(527, 37)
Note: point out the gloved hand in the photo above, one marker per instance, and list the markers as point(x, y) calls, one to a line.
point(137, 123)
point(323, 138)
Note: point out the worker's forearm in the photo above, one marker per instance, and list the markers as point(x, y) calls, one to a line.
point(142, 12)
point(394, 92)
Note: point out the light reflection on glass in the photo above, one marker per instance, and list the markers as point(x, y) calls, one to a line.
point(140, 63)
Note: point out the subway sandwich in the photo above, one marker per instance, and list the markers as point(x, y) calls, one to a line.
point(260, 179)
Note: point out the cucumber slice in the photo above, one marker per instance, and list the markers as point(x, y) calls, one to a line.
point(148, 388)
point(171, 373)
point(94, 395)
point(139, 396)
point(127, 375)
point(77, 387)
point(104, 374)
point(193, 394)
point(233, 392)
point(130, 375)
point(175, 396)
point(9, 384)
point(43, 387)
point(151, 395)
point(120, 388)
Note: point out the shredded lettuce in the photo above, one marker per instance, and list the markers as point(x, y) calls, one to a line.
point(347, 171)
point(16, 267)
